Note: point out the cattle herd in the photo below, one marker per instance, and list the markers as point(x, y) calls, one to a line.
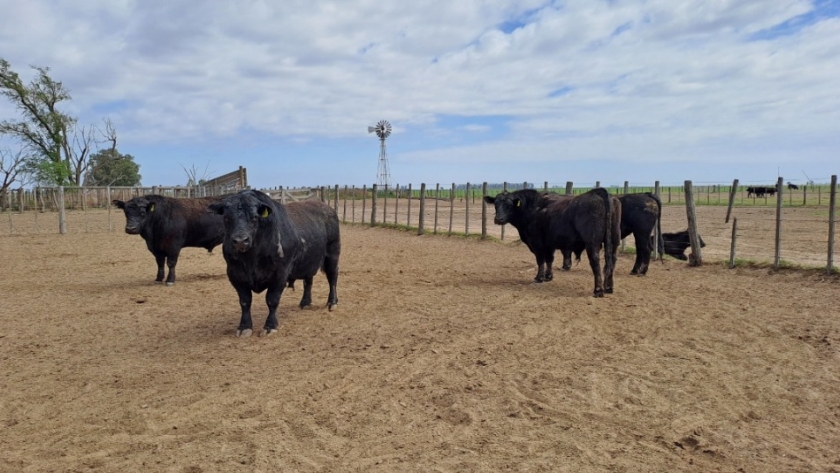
point(267, 245)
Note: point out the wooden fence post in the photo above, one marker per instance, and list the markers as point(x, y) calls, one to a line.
point(545, 186)
point(62, 217)
point(695, 258)
point(777, 259)
point(396, 203)
point(344, 215)
point(467, 221)
point(451, 207)
point(422, 221)
point(110, 221)
point(626, 191)
point(335, 199)
point(437, 200)
point(364, 201)
point(373, 200)
point(569, 187)
point(732, 245)
point(597, 184)
point(385, 205)
point(408, 215)
point(731, 199)
point(832, 212)
point(483, 211)
point(353, 209)
point(504, 189)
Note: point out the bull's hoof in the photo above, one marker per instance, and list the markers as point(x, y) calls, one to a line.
point(267, 332)
point(634, 271)
point(608, 290)
point(305, 304)
point(170, 283)
point(549, 276)
point(598, 294)
point(331, 306)
point(539, 279)
point(245, 333)
point(566, 268)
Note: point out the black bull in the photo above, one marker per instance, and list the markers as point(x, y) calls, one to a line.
point(168, 225)
point(268, 244)
point(641, 213)
point(584, 222)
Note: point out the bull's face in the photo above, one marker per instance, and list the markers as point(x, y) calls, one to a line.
point(506, 207)
point(137, 211)
point(243, 215)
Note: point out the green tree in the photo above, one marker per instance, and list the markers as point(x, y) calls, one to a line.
point(108, 167)
point(60, 149)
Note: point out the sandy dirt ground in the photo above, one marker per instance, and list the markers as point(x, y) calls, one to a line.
point(443, 356)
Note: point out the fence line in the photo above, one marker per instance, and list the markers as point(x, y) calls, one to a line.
point(758, 232)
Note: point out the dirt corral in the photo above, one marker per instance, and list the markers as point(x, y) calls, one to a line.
point(443, 355)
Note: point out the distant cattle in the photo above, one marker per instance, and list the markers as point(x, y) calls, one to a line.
point(675, 244)
point(168, 225)
point(570, 224)
point(269, 245)
point(792, 186)
point(761, 191)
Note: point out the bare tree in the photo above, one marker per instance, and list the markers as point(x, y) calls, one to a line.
point(194, 178)
point(11, 170)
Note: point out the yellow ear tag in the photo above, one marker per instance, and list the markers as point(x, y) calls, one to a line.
point(152, 208)
point(518, 203)
point(264, 213)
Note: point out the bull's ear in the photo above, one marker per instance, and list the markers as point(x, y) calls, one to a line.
point(264, 211)
point(489, 200)
point(217, 208)
point(118, 204)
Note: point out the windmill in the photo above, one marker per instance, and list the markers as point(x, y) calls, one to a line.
point(383, 130)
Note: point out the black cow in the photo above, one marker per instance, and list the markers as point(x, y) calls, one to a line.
point(674, 244)
point(269, 245)
point(792, 186)
point(640, 214)
point(169, 224)
point(570, 224)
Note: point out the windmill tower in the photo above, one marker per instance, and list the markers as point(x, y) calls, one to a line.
point(383, 130)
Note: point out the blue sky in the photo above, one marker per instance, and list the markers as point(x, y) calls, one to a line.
point(476, 90)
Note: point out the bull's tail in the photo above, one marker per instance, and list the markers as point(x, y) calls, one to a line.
point(608, 214)
point(660, 241)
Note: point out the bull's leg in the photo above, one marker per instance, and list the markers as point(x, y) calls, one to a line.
point(643, 250)
point(160, 259)
point(540, 277)
point(306, 300)
point(245, 324)
point(595, 263)
point(611, 258)
point(549, 263)
point(171, 261)
point(272, 299)
point(331, 270)
point(567, 259)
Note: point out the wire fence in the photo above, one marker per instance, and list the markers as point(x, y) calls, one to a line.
point(804, 222)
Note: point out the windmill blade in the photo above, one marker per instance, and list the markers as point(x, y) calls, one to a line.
point(371, 129)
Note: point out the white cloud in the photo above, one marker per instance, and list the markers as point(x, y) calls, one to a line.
point(641, 79)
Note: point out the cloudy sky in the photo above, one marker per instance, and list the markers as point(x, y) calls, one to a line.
point(476, 90)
